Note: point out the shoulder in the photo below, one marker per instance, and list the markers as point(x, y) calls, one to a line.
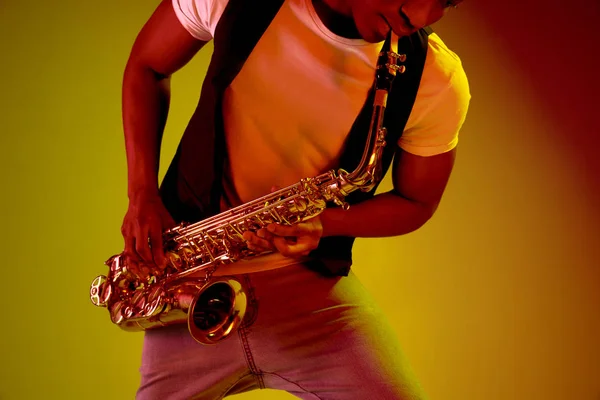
point(441, 105)
point(200, 17)
point(443, 69)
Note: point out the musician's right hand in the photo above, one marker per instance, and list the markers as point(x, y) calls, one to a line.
point(143, 226)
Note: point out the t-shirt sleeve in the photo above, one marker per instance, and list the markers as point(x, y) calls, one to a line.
point(199, 17)
point(439, 111)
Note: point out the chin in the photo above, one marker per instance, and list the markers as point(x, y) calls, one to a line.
point(373, 30)
point(373, 35)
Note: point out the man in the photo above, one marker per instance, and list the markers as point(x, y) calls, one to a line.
point(286, 116)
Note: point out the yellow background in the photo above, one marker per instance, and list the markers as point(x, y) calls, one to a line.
point(496, 298)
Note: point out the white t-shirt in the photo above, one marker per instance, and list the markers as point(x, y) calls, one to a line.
point(289, 110)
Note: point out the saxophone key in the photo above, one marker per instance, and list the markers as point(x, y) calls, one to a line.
point(299, 205)
point(100, 291)
point(138, 301)
point(153, 308)
point(116, 315)
point(127, 311)
point(174, 261)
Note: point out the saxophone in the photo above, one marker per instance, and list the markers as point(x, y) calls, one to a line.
point(214, 307)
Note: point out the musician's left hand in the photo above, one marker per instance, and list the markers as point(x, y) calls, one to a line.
point(292, 241)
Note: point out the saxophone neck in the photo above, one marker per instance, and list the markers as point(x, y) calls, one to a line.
point(368, 172)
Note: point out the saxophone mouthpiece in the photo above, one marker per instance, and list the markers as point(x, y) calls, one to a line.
point(386, 65)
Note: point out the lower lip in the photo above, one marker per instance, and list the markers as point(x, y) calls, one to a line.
point(405, 29)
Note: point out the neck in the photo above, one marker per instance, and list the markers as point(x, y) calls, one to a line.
point(336, 15)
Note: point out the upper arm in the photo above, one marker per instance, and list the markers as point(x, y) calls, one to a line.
point(441, 105)
point(425, 159)
point(422, 179)
point(164, 45)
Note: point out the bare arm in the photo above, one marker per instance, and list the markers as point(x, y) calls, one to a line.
point(419, 183)
point(162, 47)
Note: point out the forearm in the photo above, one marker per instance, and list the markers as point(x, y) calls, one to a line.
point(386, 214)
point(145, 108)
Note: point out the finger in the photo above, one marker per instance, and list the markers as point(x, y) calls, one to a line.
point(289, 230)
point(290, 248)
point(256, 237)
point(129, 251)
point(157, 247)
point(256, 243)
point(143, 271)
point(142, 246)
point(136, 270)
point(130, 256)
point(263, 233)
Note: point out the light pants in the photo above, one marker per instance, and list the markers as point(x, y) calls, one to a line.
point(315, 337)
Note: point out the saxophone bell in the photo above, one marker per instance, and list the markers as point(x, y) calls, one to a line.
point(211, 307)
point(217, 310)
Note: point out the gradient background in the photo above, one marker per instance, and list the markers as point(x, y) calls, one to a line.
point(498, 297)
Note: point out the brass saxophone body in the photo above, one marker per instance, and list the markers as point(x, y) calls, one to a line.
point(213, 307)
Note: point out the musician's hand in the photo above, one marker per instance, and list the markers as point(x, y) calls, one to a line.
point(143, 226)
point(260, 241)
point(291, 241)
point(297, 240)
